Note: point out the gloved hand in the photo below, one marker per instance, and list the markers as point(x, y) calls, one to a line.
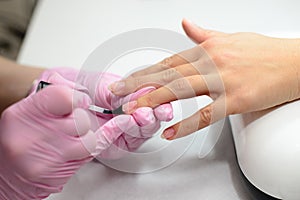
point(122, 133)
point(44, 139)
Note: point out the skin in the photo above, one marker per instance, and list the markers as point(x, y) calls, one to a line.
point(15, 81)
point(241, 72)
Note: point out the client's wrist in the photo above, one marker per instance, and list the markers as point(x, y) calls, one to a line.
point(296, 65)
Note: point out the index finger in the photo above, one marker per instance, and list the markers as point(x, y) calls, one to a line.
point(184, 57)
point(147, 75)
point(182, 88)
point(59, 100)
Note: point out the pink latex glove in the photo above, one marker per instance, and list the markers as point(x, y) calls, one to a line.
point(44, 139)
point(121, 133)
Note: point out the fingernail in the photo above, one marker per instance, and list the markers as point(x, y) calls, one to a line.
point(167, 134)
point(117, 86)
point(130, 107)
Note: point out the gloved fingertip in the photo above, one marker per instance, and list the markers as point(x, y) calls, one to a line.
point(164, 112)
point(111, 131)
point(144, 116)
point(56, 100)
point(81, 100)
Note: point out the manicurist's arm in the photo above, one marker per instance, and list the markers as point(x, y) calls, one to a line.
point(15, 81)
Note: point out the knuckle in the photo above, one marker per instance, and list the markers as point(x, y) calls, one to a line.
point(168, 62)
point(223, 59)
point(214, 43)
point(179, 84)
point(11, 143)
point(205, 116)
point(134, 75)
point(210, 43)
point(215, 56)
point(138, 82)
point(14, 152)
point(169, 75)
point(218, 59)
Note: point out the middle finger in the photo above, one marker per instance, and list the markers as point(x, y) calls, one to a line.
point(182, 88)
point(159, 79)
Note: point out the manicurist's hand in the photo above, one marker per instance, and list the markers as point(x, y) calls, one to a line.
point(47, 136)
point(116, 134)
point(241, 72)
point(44, 139)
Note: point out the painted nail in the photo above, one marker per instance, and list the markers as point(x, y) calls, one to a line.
point(130, 107)
point(170, 132)
point(117, 86)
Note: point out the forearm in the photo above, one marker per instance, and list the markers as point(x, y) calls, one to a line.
point(15, 81)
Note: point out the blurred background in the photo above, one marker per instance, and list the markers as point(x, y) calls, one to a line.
point(14, 19)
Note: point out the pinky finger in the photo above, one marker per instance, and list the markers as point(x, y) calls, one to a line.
point(201, 119)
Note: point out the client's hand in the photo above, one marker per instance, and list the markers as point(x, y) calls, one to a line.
point(241, 72)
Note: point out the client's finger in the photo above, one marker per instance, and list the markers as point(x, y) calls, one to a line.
point(179, 89)
point(184, 57)
point(158, 79)
point(197, 34)
point(201, 119)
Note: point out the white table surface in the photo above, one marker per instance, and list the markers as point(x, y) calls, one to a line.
point(65, 32)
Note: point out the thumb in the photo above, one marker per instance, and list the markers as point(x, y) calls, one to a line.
point(58, 79)
point(58, 100)
point(197, 34)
